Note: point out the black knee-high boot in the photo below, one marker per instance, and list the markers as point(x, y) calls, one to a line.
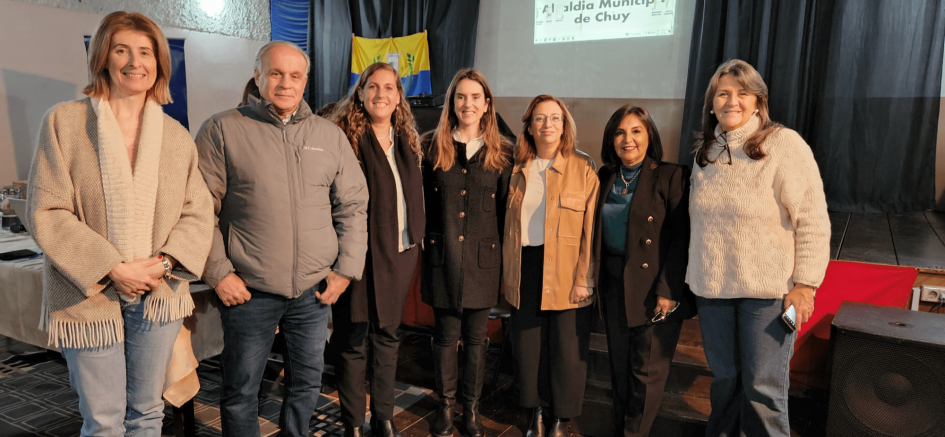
point(473, 376)
point(445, 373)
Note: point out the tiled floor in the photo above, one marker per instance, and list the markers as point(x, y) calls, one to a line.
point(36, 400)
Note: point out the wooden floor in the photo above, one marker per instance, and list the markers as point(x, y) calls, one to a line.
point(915, 239)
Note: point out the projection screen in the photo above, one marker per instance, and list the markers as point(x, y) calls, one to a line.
point(559, 21)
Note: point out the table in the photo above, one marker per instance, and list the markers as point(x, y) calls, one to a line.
point(21, 294)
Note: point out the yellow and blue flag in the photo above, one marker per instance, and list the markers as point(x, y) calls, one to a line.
point(409, 55)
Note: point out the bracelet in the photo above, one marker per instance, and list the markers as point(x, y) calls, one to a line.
point(167, 267)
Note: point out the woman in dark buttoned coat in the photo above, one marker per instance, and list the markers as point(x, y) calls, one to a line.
point(466, 169)
point(642, 238)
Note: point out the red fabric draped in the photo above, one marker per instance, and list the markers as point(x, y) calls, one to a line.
point(845, 281)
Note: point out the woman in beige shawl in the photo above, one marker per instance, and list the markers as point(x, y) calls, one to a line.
point(118, 205)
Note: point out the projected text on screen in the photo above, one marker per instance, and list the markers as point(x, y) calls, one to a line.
point(567, 21)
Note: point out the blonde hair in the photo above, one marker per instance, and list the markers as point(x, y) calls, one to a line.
point(99, 79)
point(498, 148)
point(526, 150)
point(352, 118)
point(748, 78)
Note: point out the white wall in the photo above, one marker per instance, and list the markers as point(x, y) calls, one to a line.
point(642, 68)
point(247, 19)
point(43, 62)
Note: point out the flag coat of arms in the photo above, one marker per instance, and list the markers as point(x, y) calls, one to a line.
point(409, 55)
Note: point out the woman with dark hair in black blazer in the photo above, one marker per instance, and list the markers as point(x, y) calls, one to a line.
point(642, 238)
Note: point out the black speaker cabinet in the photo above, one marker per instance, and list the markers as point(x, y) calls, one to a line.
point(426, 117)
point(887, 376)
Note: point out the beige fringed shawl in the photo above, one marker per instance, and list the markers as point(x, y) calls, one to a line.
point(88, 212)
point(129, 192)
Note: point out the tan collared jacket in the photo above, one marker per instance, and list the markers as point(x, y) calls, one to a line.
point(571, 202)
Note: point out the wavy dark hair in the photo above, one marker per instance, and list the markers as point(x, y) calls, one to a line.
point(498, 148)
point(349, 114)
point(748, 78)
point(654, 149)
point(525, 149)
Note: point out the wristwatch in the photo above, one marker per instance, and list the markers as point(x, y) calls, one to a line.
point(167, 267)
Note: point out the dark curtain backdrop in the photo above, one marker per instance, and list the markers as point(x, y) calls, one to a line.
point(859, 80)
point(451, 35)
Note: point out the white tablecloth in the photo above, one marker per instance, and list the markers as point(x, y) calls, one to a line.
point(21, 295)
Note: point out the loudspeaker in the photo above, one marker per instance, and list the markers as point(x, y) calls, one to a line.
point(426, 117)
point(887, 376)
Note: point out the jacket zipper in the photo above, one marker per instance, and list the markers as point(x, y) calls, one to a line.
point(301, 183)
point(295, 226)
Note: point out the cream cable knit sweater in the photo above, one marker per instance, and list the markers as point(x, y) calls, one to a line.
point(758, 227)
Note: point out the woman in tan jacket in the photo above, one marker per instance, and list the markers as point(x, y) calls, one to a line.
point(121, 211)
point(548, 235)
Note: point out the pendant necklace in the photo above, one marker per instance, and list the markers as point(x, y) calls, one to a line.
point(626, 188)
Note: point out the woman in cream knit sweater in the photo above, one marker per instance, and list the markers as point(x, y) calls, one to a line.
point(759, 244)
point(122, 213)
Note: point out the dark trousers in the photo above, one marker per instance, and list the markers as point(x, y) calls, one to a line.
point(472, 325)
point(640, 358)
point(248, 333)
point(550, 347)
point(353, 340)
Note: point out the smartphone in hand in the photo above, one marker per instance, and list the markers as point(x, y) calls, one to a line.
point(790, 317)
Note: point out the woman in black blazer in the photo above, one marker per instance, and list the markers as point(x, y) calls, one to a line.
point(642, 239)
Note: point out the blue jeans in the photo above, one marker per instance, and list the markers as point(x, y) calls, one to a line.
point(130, 405)
point(248, 333)
point(749, 349)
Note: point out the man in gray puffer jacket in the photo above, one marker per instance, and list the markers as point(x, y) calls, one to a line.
point(291, 208)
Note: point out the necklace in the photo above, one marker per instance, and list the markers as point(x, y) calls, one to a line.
point(379, 138)
point(626, 188)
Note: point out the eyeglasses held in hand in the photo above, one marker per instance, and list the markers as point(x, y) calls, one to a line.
point(659, 317)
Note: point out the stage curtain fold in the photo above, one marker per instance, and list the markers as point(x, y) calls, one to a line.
point(859, 80)
point(290, 21)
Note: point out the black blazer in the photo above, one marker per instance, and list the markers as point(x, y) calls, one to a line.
point(467, 201)
point(657, 240)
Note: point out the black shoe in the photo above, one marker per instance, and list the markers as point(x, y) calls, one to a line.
point(384, 428)
point(560, 428)
point(536, 428)
point(443, 424)
point(473, 420)
point(353, 431)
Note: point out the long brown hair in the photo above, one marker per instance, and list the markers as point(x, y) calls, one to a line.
point(99, 79)
point(748, 78)
point(498, 148)
point(525, 148)
point(352, 118)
